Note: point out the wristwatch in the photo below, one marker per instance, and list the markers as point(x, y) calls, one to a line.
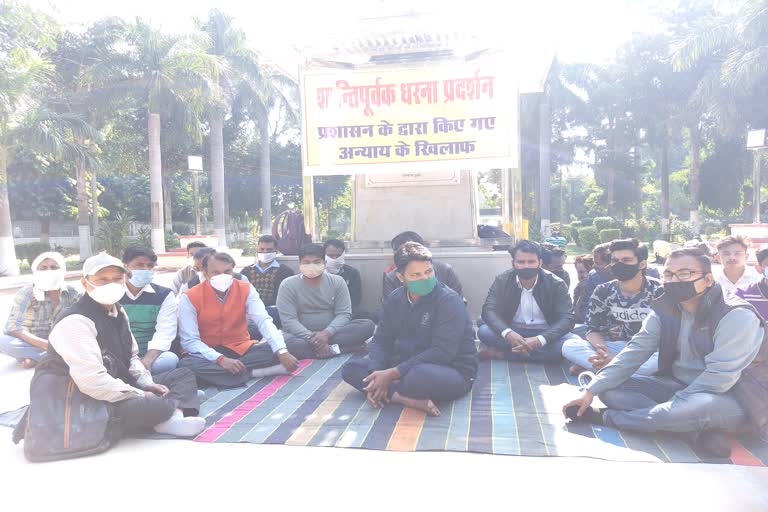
point(282, 351)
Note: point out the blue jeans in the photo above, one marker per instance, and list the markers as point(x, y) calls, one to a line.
point(648, 404)
point(165, 362)
point(551, 353)
point(424, 381)
point(19, 349)
point(578, 351)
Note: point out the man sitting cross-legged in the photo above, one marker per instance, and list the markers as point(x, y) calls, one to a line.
point(617, 310)
point(213, 323)
point(423, 350)
point(528, 313)
point(94, 339)
point(35, 308)
point(706, 339)
point(151, 311)
point(316, 311)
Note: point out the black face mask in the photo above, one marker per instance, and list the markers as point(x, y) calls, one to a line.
point(681, 291)
point(624, 271)
point(527, 273)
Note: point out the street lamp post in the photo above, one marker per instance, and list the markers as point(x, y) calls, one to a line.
point(195, 166)
point(755, 143)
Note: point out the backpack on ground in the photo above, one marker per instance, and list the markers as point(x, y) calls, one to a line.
point(60, 421)
point(290, 232)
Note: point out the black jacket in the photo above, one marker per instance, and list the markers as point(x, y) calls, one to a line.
point(435, 329)
point(551, 295)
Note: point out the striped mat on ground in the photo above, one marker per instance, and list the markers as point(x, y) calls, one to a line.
point(513, 409)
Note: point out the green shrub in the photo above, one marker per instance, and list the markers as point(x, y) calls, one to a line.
point(567, 230)
point(588, 237)
point(113, 235)
point(575, 225)
point(608, 235)
point(31, 251)
point(602, 223)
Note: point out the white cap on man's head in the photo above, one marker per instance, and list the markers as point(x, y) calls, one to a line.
point(100, 261)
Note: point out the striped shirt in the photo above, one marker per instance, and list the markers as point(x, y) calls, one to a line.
point(37, 317)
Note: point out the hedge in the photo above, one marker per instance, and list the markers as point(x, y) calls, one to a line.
point(588, 237)
point(608, 235)
point(31, 251)
point(602, 223)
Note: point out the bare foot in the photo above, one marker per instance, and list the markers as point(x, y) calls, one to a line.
point(323, 352)
point(27, 363)
point(426, 406)
point(487, 353)
point(576, 369)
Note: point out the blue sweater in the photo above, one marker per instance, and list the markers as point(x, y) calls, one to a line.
point(435, 329)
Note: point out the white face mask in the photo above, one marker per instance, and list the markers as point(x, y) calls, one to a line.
point(221, 282)
point(47, 280)
point(334, 265)
point(107, 294)
point(266, 257)
point(312, 270)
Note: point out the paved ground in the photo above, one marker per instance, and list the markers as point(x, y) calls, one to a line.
point(200, 476)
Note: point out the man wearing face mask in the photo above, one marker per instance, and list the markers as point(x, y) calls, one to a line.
point(706, 340)
point(528, 312)
point(35, 308)
point(443, 271)
point(335, 264)
point(199, 277)
point(94, 340)
point(424, 349)
point(213, 324)
point(183, 276)
point(316, 311)
point(267, 274)
point(151, 311)
point(617, 310)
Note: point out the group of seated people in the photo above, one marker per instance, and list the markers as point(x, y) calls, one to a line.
point(662, 355)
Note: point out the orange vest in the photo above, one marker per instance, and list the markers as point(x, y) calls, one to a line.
point(222, 325)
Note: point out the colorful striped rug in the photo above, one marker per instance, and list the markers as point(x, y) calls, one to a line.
point(513, 409)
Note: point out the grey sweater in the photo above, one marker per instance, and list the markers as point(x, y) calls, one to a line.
point(737, 341)
point(305, 308)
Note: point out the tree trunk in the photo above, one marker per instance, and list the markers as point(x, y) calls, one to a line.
point(217, 179)
point(694, 181)
point(9, 266)
point(83, 221)
point(610, 190)
point(156, 183)
point(168, 201)
point(665, 185)
point(266, 183)
point(94, 205)
point(45, 231)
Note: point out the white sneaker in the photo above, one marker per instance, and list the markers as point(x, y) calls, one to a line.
point(269, 371)
point(179, 426)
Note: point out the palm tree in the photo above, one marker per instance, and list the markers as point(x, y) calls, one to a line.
point(163, 72)
point(729, 55)
point(251, 86)
point(34, 128)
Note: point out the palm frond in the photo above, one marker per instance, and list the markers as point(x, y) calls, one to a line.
point(701, 41)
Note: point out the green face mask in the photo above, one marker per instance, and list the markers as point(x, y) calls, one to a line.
point(422, 286)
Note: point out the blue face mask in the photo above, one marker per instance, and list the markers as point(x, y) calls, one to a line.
point(141, 278)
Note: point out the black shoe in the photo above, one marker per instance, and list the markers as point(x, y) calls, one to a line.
point(714, 442)
point(593, 416)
